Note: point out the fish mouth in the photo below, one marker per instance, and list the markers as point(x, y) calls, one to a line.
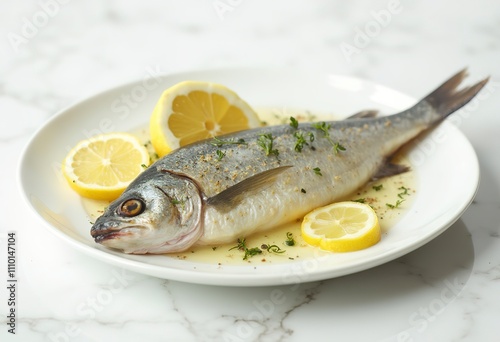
point(102, 236)
point(105, 232)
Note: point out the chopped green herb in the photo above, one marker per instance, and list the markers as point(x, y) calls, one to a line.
point(359, 200)
point(290, 241)
point(272, 249)
point(265, 141)
point(219, 142)
point(311, 137)
point(300, 141)
point(337, 147)
point(324, 127)
point(144, 166)
point(293, 122)
point(378, 187)
point(249, 252)
point(404, 192)
point(317, 171)
point(181, 202)
point(240, 246)
point(220, 154)
point(303, 190)
point(394, 206)
point(214, 248)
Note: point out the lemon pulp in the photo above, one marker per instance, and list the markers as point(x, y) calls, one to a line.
point(342, 227)
point(102, 167)
point(192, 110)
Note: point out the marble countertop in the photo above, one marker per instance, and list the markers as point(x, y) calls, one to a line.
point(57, 52)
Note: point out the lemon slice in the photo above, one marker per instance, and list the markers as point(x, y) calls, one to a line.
point(101, 167)
point(341, 227)
point(193, 110)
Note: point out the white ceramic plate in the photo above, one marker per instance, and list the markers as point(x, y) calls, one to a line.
point(129, 106)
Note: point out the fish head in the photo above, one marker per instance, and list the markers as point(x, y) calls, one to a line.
point(160, 212)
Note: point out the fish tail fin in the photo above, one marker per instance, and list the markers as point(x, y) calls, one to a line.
point(446, 99)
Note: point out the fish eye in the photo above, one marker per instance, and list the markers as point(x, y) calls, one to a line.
point(131, 207)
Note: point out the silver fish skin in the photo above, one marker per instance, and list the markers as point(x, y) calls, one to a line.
point(211, 193)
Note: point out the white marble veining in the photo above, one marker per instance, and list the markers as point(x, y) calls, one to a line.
point(57, 52)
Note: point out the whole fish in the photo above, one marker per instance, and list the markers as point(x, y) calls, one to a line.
point(217, 190)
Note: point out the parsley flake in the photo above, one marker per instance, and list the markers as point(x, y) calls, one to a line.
point(337, 147)
point(266, 141)
point(272, 248)
point(220, 154)
point(293, 122)
point(324, 127)
point(300, 141)
point(290, 241)
point(394, 206)
point(250, 252)
point(404, 192)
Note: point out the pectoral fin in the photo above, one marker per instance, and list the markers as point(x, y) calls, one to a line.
point(235, 194)
point(390, 169)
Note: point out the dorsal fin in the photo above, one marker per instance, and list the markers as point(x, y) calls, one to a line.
point(235, 194)
point(364, 114)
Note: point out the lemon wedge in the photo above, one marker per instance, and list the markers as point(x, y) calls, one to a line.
point(341, 227)
point(103, 166)
point(193, 110)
